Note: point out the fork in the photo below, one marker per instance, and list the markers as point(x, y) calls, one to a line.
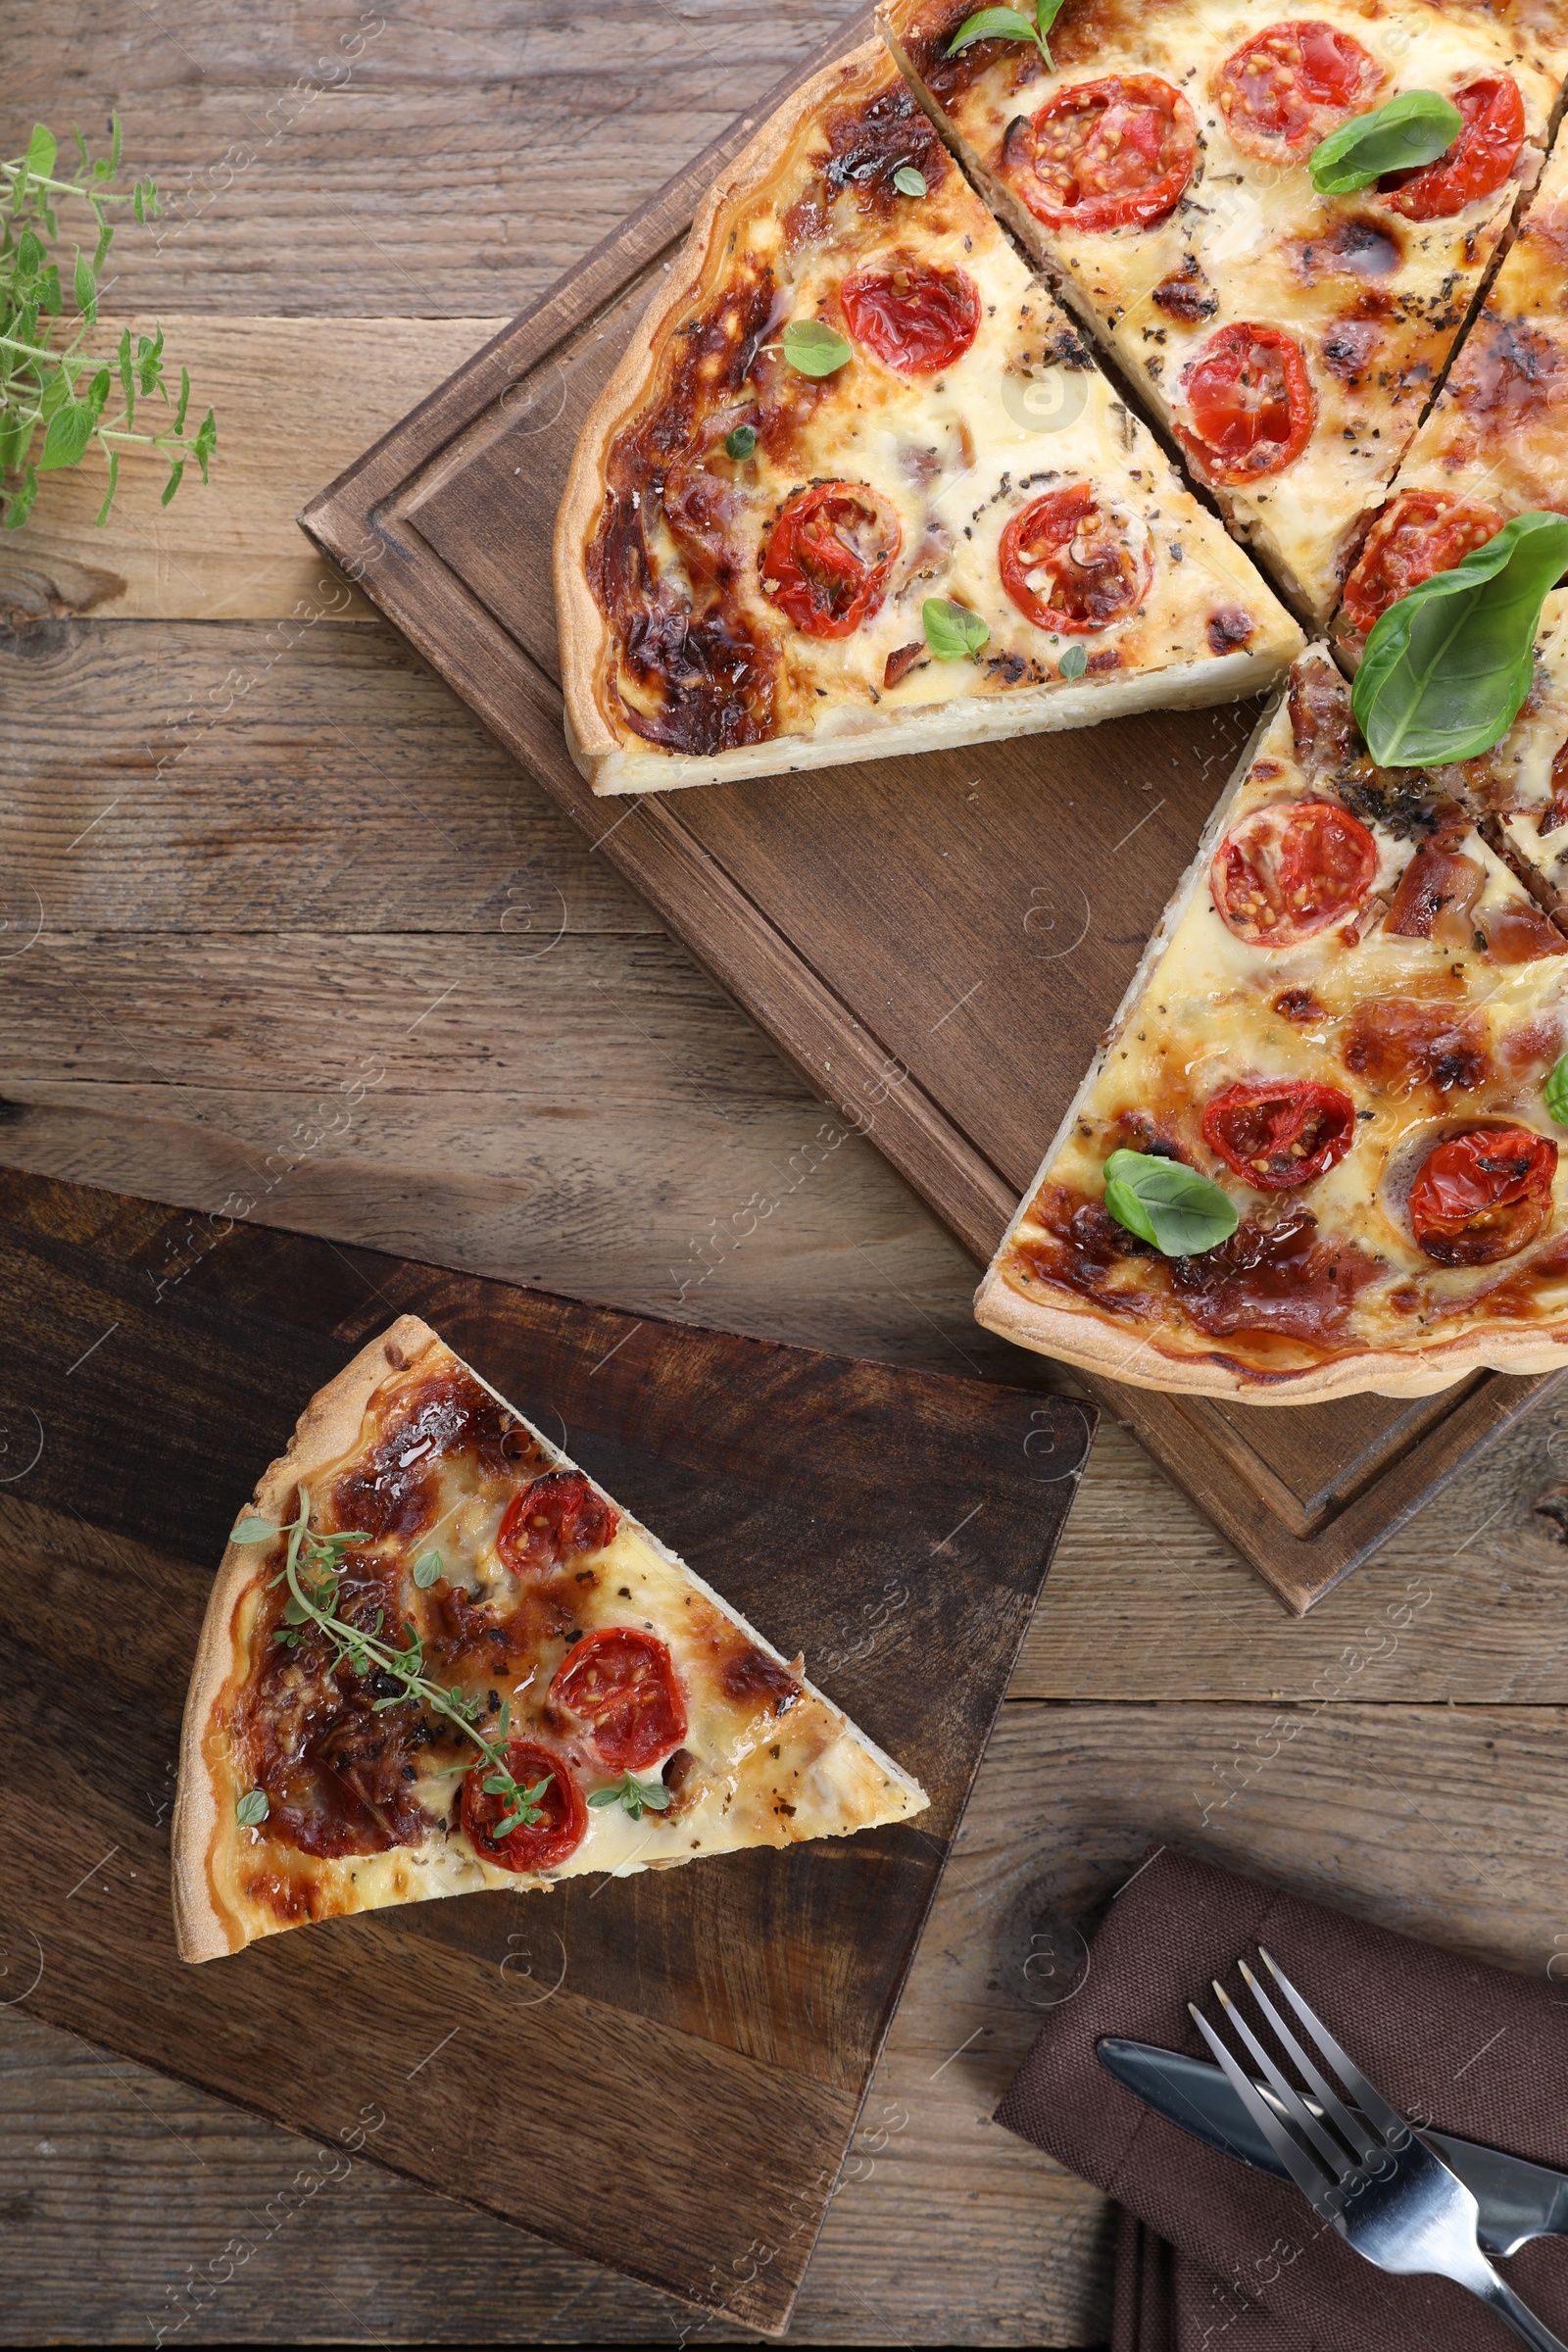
point(1383, 2189)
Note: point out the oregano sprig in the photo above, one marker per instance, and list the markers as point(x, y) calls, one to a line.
point(312, 1569)
point(65, 391)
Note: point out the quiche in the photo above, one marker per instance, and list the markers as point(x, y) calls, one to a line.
point(1345, 1026)
point(438, 1658)
point(1158, 168)
point(858, 486)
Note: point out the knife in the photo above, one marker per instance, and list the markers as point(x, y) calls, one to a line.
point(1518, 2200)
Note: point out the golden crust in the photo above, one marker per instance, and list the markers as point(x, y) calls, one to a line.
point(584, 632)
point(1109, 1349)
point(326, 1430)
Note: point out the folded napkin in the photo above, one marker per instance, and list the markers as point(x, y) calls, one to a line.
point(1448, 2041)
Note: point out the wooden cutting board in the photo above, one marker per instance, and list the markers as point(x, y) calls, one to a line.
point(938, 943)
point(662, 2073)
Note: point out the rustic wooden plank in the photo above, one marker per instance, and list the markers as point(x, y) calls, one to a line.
point(1448, 1822)
point(1464, 1602)
point(231, 549)
point(691, 2007)
point(233, 778)
point(426, 161)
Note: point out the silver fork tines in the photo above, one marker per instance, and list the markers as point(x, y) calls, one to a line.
point(1378, 2183)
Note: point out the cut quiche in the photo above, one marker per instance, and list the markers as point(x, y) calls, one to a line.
point(857, 487)
point(1160, 168)
point(438, 1658)
point(1338, 1049)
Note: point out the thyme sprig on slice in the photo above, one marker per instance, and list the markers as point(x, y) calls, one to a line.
point(637, 1796)
point(311, 1570)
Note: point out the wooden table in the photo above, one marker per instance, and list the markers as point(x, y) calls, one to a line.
point(243, 851)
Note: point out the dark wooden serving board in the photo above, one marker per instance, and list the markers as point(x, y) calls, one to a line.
point(938, 943)
point(663, 2071)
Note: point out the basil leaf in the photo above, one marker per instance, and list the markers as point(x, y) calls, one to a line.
point(908, 181)
point(1414, 129)
point(813, 347)
point(253, 1530)
point(252, 1809)
point(42, 149)
point(995, 25)
point(1074, 662)
point(1047, 12)
point(1556, 1092)
point(952, 631)
point(1448, 668)
point(1167, 1203)
point(741, 442)
point(426, 1569)
point(653, 1794)
point(605, 1797)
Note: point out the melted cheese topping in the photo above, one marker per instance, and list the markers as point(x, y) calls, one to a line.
point(1212, 1011)
point(1023, 411)
point(772, 1766)
point(1375, 301)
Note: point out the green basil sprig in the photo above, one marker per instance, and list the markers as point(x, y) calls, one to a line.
point(813, 347)
point(635, 1795)
point(952, 631)
point(1446, 669)
point(1412, 129)
point(1167, 1203)
point(1555, 1092)
point(1008, 24)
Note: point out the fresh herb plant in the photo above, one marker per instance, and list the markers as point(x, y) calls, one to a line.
point(1446, 669)
point(637, 1796)
point(1412, 129)
point(952, 631)
point(1555, 1092)
point(312, 1568)
point(1168, 1203)
point(65, 391)
point(1009, 24)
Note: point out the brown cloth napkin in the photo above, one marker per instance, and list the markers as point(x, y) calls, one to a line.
point(1449, 2041)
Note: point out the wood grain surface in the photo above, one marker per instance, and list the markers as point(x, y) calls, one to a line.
point(233, 794)
point(689, 2012)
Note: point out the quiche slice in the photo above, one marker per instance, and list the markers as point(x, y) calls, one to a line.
point(857, 487)
point(438, 1658)
point(1159, 167)
point(1338, 1045)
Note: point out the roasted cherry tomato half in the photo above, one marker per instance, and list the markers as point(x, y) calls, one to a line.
point(622, 1685)
point(912, 316)
point(829, 556)
point(1292, 869)
point(556, 1516)
point(561, 1822)
point(1483, 1195)
point(1292, 84)
point(1417, 533)
point(1111, 154)
point(1250, 404)
point(1478, 164)
point(1282, 1134)
point(1069, 565)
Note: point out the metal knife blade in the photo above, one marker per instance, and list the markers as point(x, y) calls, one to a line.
point(1518, 2200)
